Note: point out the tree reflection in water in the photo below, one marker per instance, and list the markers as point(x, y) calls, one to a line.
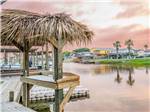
point(147, 70)
point(108, 69)
point(118, 79)
point(130, 80)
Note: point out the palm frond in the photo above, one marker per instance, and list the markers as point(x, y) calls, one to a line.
point(18, 25)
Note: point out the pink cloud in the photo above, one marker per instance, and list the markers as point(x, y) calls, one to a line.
point(41, 6)
point(133, 8)
point(106, 36)
point(38, 7)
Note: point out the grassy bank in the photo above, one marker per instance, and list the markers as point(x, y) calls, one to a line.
point(134, 62)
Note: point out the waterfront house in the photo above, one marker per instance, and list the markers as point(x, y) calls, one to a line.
point(143, 53)
point(147, 53)
point(111, 52)
point(123, 53)
point(82, 56)
point(140, 53)
point(101, 51)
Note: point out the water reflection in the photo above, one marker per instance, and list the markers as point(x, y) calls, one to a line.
point(118, 79)
point(109, 69)
point(147, 70)
point(104, 69)
point(130, 71)
point(119, 97)
point(130, 80)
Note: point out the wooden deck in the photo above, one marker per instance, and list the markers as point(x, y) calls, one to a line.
point(68, 80)
point(10, 84)
point(14, 107)
point(14, 84)
point(18, 72)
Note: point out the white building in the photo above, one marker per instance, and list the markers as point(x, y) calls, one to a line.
point(144, 53)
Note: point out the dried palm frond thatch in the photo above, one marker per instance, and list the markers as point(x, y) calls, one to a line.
point(2, 1)
point(19, 26)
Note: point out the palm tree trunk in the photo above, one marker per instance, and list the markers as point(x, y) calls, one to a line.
point(144, 52)
point(117, 53)
point(129, 53)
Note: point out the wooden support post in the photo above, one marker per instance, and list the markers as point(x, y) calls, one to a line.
point(5, 57)
point(11, 96)
point(30, 57)
point(46, 63)
point(26, 61)
point(34, 59)
point(37, 59)
point(42, 58)
point(66, 98)
point(57, 60)
point(16, 58)
point(19, 58)
point(25, 96)
point(58, 74)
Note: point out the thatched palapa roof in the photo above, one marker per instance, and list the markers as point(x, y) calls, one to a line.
point(19, 26)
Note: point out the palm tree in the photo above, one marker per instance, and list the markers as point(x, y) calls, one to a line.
point(129, 44)
point(117, 46)
point(146, 47)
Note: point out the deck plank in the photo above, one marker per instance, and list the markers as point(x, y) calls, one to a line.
point(14, 107)
point(10, 84)
point(68, 80)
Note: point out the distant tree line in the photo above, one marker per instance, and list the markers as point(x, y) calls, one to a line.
point(129, 44)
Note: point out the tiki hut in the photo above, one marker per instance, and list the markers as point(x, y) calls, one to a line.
point(26, 29)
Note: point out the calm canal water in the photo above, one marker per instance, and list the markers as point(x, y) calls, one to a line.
point(112, 89)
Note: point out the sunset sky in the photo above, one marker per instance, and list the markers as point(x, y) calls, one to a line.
point(110, 20)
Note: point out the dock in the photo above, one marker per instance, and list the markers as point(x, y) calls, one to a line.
point(10, 84)
point(42, 94)
point(37, 94)
point(11, 90)
point(14, 107)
